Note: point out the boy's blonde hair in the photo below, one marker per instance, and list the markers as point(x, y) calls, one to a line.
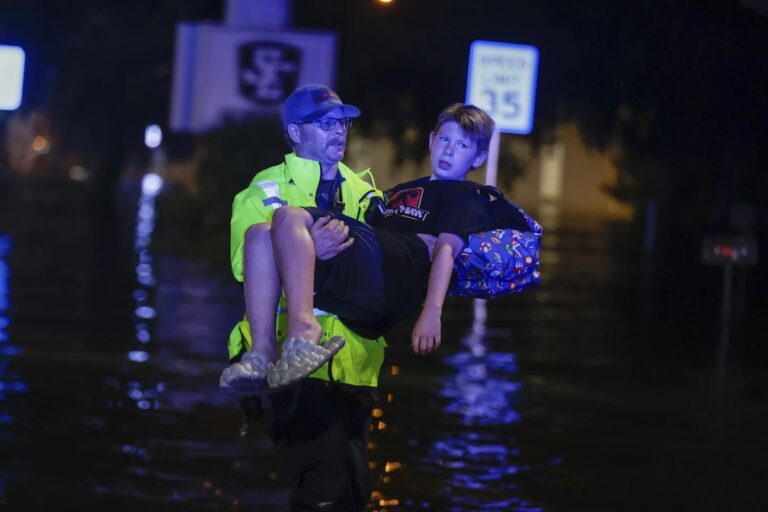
point(473, 121)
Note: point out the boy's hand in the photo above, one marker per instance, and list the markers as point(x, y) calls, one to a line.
point(330, 236)
point(426, 333)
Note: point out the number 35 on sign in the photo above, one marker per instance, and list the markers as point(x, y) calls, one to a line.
point(502, 81)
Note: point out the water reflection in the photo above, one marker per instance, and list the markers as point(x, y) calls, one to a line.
point(482, 390)
point(10, 385)
point(151, 185)
point(461, 414)
point(479, 462)
point(145, 396)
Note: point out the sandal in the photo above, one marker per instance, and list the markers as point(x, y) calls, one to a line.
point(247, 377)
point(301, 358)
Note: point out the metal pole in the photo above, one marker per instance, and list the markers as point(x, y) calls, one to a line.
point(258, 14)
point(491, 166)
point(725, 319)
point(493, 159)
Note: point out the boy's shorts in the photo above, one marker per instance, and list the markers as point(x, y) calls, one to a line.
point(351, 284)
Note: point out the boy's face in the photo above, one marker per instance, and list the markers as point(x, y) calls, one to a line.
point(452, 153)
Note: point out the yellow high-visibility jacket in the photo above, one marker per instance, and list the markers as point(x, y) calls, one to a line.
point(294, 182)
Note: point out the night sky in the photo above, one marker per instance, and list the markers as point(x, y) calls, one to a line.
point(679, 86)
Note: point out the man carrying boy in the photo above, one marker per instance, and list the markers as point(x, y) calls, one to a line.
point(389, 271)
point(321, 428)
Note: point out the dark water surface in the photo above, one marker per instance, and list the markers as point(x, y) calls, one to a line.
point(589, 393)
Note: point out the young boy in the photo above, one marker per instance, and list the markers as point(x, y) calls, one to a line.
point(390, 267)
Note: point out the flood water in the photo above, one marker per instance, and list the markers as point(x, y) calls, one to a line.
point(594, 392)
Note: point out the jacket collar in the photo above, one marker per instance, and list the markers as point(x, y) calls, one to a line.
point(306, 173)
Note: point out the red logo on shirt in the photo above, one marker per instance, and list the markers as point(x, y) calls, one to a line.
point(407, 203)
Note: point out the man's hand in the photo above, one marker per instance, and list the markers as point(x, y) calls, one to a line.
point(330, 236)
point(426, 333)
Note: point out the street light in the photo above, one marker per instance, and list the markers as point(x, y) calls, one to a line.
point(153, 136)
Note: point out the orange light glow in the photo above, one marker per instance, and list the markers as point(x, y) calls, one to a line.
point(377, 413)
point(40, 145)
point(381, 425)
point(395, 370)
point(391, 466)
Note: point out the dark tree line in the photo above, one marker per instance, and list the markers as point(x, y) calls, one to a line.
point(679, 87)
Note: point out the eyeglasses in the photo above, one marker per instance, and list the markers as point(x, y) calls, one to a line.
point(328, 124)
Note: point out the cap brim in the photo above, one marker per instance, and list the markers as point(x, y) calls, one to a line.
point(349, 111)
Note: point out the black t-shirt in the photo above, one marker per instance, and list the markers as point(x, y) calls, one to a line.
point(328, 194)
point(421, 206)
point(433, 207)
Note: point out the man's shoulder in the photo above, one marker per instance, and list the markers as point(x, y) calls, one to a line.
point(274, 174)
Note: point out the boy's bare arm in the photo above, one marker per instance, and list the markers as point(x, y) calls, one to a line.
point(426, 333)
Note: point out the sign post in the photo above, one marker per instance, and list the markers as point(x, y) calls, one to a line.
point(727, 252)
point(502, 81)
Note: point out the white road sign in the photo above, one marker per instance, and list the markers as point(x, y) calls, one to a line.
point(502, 81)
point(228, 72)
point(11, 77)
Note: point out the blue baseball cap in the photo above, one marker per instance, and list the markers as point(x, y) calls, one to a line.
point(311, 102)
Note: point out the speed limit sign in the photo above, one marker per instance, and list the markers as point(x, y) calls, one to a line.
point(502, 81)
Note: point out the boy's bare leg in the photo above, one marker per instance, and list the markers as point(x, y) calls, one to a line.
point(261, 286)
point(294, 253)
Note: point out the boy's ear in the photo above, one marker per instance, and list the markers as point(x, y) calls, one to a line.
point(479, 159)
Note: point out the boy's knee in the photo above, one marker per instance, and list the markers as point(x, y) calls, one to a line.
point(290, 215)
point(257, 232)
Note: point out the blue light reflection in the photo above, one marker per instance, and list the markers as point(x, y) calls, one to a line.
point(11, 387)
point(481, 464)
point(145, 396)
point(151, 185)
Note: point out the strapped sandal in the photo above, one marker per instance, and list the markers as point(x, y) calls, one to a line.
point(248, 377)
point(299, 359)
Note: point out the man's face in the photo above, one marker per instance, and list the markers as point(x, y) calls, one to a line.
point(326, 147)
point(452, 153)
